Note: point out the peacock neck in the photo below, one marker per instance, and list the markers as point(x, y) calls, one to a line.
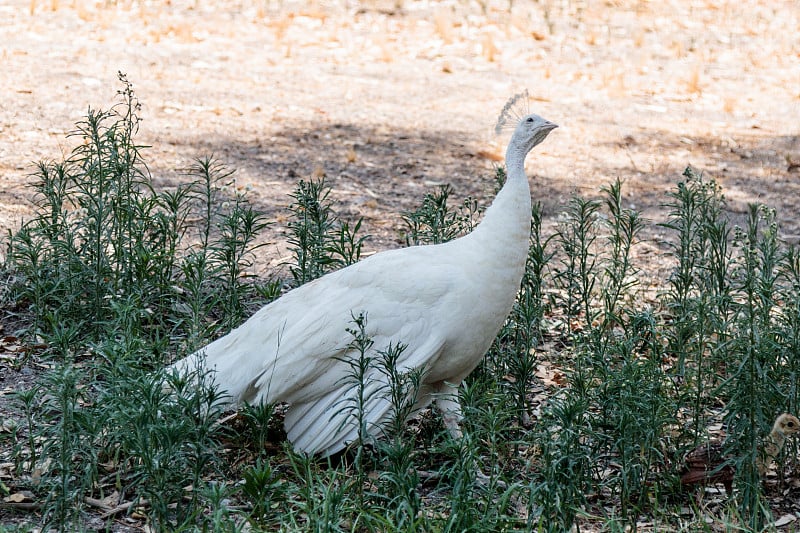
point(506, 223)
point(772, 447)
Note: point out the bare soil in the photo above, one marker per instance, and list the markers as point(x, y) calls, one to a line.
point(390, 98)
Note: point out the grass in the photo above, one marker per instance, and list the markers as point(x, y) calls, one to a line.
point(113, 281)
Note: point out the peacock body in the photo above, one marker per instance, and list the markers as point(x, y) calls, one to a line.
point(445, 303)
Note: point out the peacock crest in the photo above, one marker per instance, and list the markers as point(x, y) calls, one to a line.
point(516, 108)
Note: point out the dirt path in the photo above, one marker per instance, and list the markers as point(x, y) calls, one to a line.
point(389, 98)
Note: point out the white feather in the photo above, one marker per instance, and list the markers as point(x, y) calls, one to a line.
point(445, 302)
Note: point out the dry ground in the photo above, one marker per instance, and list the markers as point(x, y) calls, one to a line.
point(391, 98)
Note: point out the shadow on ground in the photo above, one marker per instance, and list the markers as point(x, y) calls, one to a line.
point(381, 172)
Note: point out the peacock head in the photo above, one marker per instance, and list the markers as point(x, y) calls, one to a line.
point(787, 424)
point(529, 129)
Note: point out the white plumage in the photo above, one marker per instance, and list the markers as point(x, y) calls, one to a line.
point(446, 302)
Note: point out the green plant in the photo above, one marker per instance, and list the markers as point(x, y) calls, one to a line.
point(103, 240)
point(754, 386)
point(264, 488)
point(563, 472)
point(322, 497)
point(634, 411)
point(363, 391)
point(311, 226)
point(102, 268)
point(67, 448)
point(575, 274)
point(28, 398)
point(158, 439)
point(237, 231)
point(220, 517)
point(434, 222)
point(523, 332)
point(699, 297)
point(319, 241)
point(619, 273)
point(258, 419)
point(788, 321)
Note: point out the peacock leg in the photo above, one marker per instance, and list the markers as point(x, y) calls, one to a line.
point(447, 404)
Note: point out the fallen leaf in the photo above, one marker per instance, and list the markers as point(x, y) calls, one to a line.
point(550, 376)
point(491, 155)
point(112, 500)
point(17, 497)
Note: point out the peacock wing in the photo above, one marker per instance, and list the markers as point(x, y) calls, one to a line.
point(326, 423)
point(292, 349)
point(327, 404)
